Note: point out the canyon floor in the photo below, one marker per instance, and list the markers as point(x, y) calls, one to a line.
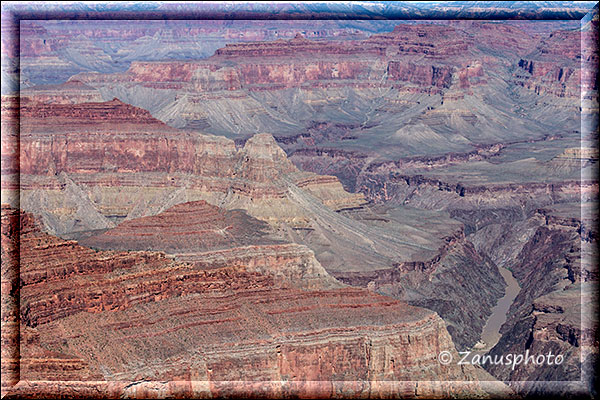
point(250, 208)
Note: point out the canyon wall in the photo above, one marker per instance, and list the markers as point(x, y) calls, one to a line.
point(113, 163)
point(412, 163)
point(118, 328)
point(104, 145)
point(440, 75)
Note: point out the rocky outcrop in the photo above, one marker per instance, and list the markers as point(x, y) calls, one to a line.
point(113, 316)
point(553, 326)
point(184, 227)
point(10, 152)
point(99, 144)
point(12, 224)
point(345, 165)
point(291, 48)
point(147, 178)
point(101, 176)
point(541, 246)
point(429, 192)
point(43, 263)
point(429, 116)
point(279, 64)
point(209, 237)
point(554, 66)
point(249, 87)
point(116, 137)
point(439, 77)
point(70, 92)
point(432, 41)
point(111, 46)
point(576, 158)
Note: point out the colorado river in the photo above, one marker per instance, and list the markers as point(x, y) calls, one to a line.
point(491, 330)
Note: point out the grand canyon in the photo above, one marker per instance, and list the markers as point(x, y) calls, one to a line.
point(300, 208)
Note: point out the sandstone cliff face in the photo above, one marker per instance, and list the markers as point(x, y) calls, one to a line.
point(109, 179)
point(10, 152)
point(257, 177)
point(445, 181)
point(11, 221)
point(139, 142)
point(110, 46)
point(508, 227)
point(94, 316)
point(209, 237)
point(114, 173)
point(277, 65)
point(102, 144)
point(554, 66)
point(71, 92)
point(461, 99)
point(286, 85)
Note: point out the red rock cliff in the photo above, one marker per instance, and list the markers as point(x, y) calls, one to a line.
point(115, 310)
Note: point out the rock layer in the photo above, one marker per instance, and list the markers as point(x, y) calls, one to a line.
point(102, 144)
point(474, 120)
point(147, 179)
point(141, 316)
point(444, 76)
point(186, 227)
point(549, 254)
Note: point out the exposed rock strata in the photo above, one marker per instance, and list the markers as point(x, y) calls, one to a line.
point(115, 171)
point(209, 238)
point(100, 141)
point(413, 94)
point(443, 76)
point(71, 92)
point(554, 66)
point(145, 317)
point(412, 190)
point(12, 224)
point(111, 45)
point(186, 227)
